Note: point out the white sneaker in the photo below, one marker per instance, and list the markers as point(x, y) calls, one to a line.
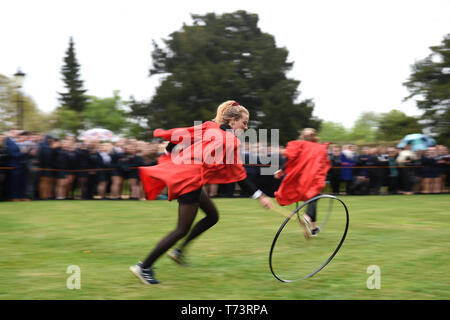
point(145, 275)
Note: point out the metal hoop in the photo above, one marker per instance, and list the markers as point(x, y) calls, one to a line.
point(296, 212)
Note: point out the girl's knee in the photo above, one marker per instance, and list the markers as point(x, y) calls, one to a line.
point(213, 219)
point(180, 233)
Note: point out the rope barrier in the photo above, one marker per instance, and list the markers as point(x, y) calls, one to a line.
point(245, 165)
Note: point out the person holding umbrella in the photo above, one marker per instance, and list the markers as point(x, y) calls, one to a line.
point(407, 158)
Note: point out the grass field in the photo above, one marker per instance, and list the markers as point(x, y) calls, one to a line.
point(407, 237)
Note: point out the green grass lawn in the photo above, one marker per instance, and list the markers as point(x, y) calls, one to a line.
point(407, 237)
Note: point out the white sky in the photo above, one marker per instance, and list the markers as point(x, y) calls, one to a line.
point(350, 55)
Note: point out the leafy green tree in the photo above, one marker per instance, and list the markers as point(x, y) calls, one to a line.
point(106, 113)
point(333, 132)
point(7, 107)
point(75, 97)
point(394, 125)
point(67, 121)
point(365, 128)
point(429, 84)
point(33, 118)
point(138, 120)
point(223, 57)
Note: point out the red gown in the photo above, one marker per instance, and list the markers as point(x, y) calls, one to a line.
point(205, 154)
point(306, 170)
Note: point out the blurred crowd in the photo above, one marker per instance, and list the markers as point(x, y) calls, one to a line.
point(41, 167)
point(388, 170)
point(35, 166)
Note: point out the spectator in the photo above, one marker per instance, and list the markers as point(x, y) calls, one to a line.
point(104, 174)
point(363, 176)
point(348, 161)
point(3, 166)
point(266, 182)
point(149, 153)
point(94, 161)
point(415, 173)
point(443, 159)
point(430, 171)
point(275, 160)
point(393, 175)
point(116, 174)
point(382, 172)
point(334, 175)
point(46, 175)
point(69, 145)
point(33, 173)
point(251, 161)
point(130, 164)
point(26, 147)
point(61, 161)
point(211, 189)
point(15, 175)
point(82, 154)
point(374, 172)
point(405, 160)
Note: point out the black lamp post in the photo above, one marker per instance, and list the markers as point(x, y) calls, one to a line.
point(19, 76)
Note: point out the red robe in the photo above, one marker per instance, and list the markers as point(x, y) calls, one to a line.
point(306, 170)
point(205, 154)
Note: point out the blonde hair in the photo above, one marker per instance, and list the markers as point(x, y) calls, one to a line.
point(227, 110)
point(308, 134)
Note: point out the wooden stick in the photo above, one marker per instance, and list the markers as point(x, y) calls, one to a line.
point(282, 211)
point(287, 214)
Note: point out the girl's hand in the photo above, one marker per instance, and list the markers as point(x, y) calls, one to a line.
point(278, 174)
point(265, 201)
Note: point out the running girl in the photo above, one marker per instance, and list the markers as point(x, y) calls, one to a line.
point(306, 170)
point(185, 169)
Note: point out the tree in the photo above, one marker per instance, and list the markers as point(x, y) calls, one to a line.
point(394, 125)
point(138, 120)
point(333, 132)
point(75, 98)
point(33, 118)
point(365, 128)
point(429, 83)
point(106, 113)
point(67, 121)
point(223, 57)
point(7, 108)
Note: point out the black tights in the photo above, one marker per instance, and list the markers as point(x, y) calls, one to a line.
point(311, 209)
point(186, 216)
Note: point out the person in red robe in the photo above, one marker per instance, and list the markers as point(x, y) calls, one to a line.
point(208, 153)
point(305, 174)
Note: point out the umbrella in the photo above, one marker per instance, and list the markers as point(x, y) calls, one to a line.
point(97, 134)
point(418, 141)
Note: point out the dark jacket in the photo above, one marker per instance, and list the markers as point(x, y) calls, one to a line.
point(14, 154)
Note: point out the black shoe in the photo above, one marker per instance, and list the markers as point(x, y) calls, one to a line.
point(177, 256)
point(315, 231)
point(145, 275)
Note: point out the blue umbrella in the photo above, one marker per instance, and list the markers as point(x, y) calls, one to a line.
point(418, 141)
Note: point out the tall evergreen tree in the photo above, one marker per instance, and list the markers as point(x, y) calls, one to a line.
point(75, 98)
point(429, 83)
point(223, 57)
